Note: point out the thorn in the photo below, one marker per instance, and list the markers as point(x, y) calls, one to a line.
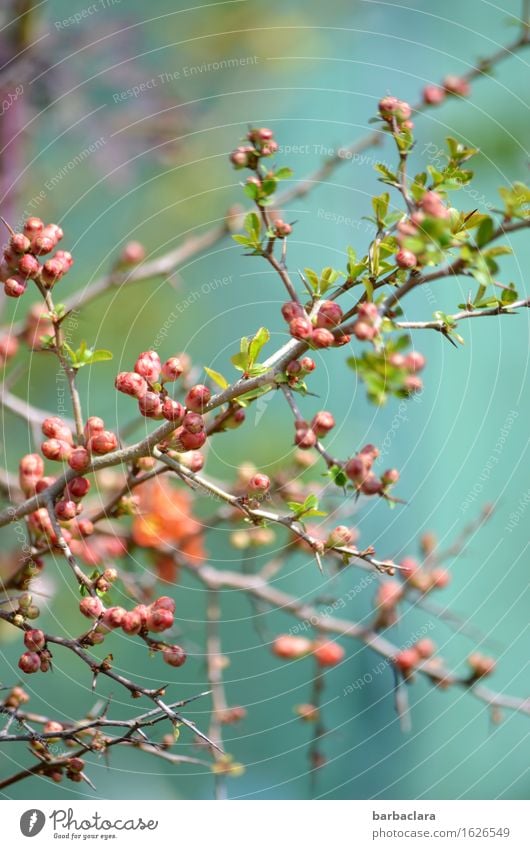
point(9, 228)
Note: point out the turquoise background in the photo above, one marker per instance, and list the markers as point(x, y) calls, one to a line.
point(321, 69)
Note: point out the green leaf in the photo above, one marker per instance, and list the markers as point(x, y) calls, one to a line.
point(283, 173)
point(217, 377)
point(485, 232)
point(99, 356)
point(252, 225)
point(260, 339)
point(240, 361)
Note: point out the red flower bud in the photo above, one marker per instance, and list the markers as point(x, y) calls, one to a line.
point(164, 603)
point(132, 253)
point(150, 405)
point(300, 328)
point(19, 243)
point(193, 423)
point(43, 244)
point(341, 535)
point(91, 607)
point(113, 617)
point(66, 510)
point(174, 656)
point(457, 85)
point(15, 286)
point(79, 459)
point(322, 423)
point(94, 425)
point(425, 648)
point(77, 488)
point(406, 660)
point(34, 640)
point(433, 95)
point(322, 338)
point(159, 620)
point(104, 443)
point(328, 653)
point(131, 623)
point(56, 449)
point(390, 477)
point(29, 662)
point(32, 464)
point(131, 383)
point(292, 309)
point(197, 398)
point(148, 365)
point(290, 647)
point(190, 441)
point(282, 229)
point(171, 369)
point(172, 410)
point(406, 259)
point(329, 315)
point(414, 361)
point(259, 484)
point(33, 226)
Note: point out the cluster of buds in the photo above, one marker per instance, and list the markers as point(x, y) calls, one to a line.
point(481, 665)
point(407, 659)
point(409, 365)
point(433, 94)
point(231, 715)
point(366, 325)
point(306, 434)
point(21, 258)
point(297, 369)
point(359, 471)
point(325, 652)
point(146, 384)
point(37, 657)
point(317, 330)
point(261, 144)
point(142, 619)
point(396, 113)
point(341, 536)
point(421, 579)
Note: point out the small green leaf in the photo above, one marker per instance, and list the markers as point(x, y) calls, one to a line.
point(217, 377)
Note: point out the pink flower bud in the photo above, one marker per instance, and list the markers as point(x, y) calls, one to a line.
point(91, 607)
point(327, 653)
point(56, 449)
point(65, 510)
point(300, 328)
point(329, 315)
point(425, 647)
point(19, 243)
point(77, 488)
point(32, 464)
point(34, 639)
point(79, 459)
point(43, 244)
point(150, 405)
point(414, 361)
point(371, 485)
point(291, 310)
point(390, 477)
point(457, 85)
point(322, 423)
point(131, 623)
point(282, 229)
point(93, 426)
point(193, 423)
point(433, 95)
point(171, 369)
point(389, 594)
point(198, 398)
point(322, 338)
point(113, 617)
point(131, 383)
point(164, 603)
point(104, 443)
point(148, 365)
point(159, 620)
point(340, 536)
point(174, 656)
point(406, 259)
point(33, 226)
point(289, 647)
point(132, 253)
point(172, 410)
point(406, 660)
point(15, 286)
point(29, 662)
point(259, 484)
point(190, 441)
